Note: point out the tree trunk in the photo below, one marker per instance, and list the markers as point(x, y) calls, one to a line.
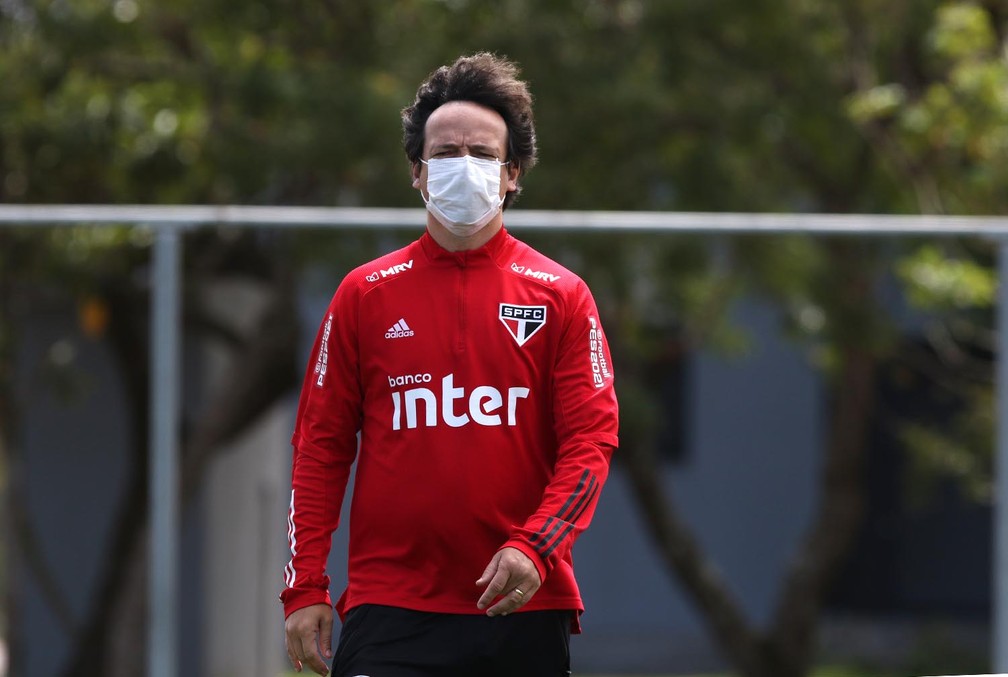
point(682, 554)
point(786, 648)
point(839, 516)
point(841, 505)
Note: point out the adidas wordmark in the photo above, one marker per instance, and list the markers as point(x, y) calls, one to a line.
point(399, 330)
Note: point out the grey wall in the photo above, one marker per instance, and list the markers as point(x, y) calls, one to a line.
point(71, 470)
point(746, 487)
point(70, 473)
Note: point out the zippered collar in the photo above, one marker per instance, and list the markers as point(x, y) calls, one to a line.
point(495, 250)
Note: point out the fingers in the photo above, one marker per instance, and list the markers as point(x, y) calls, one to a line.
point(290, 654)
point(512, 601)
point(490, 570)
point(310, 656)
point(494, 589)
point(326, 639)
point(513, 577)
point(304, 628)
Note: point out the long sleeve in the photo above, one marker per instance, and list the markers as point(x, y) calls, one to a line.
point(325, 444)
point(586, 424)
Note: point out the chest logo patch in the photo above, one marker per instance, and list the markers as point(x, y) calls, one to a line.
point(522, 322)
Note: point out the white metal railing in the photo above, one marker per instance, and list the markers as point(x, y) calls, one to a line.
point(166, 303)
point(363, 217)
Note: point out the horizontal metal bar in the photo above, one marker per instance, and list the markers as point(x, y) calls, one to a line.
point(183, 216)
point(198, 215)
point(727, 222)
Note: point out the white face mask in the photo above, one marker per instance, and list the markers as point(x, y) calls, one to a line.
point(464, 192)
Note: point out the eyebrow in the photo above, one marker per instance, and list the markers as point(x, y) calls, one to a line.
point(477, 147)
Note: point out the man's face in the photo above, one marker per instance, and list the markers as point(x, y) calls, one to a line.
point(464, 128)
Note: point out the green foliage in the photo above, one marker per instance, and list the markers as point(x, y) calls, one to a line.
point(935, 281)
point(947, 136)
point(735, 105)
point(698, 106)
point(946, 454)
point(640, 105)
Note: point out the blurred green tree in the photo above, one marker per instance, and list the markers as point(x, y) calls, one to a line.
point(736, 105)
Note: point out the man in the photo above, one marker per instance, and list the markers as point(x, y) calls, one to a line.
point(478, 377)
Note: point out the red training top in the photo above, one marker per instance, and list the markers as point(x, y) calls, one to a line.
point(482, 387)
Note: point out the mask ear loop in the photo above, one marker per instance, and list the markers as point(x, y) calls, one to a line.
point(426, 199)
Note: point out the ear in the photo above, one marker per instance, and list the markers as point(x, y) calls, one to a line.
point(513, 172)
point(415, 173)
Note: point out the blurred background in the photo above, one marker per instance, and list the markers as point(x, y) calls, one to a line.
point(804, 483)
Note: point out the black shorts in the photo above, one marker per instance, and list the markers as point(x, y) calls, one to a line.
point(384, 641)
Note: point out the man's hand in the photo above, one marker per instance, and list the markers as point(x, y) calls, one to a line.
point(307, 629)
point(511, 574)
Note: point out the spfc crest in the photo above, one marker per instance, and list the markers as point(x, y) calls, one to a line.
point(522, 321)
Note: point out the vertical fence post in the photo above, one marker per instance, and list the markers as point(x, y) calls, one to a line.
point(165, 317)
point(999, 582)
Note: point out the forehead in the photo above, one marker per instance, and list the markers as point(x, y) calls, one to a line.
point(464, 123)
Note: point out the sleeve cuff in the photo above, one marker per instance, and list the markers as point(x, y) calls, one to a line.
point(294, 599)
point(529, 552)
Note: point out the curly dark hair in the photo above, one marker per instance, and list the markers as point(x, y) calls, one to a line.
point(490, 81)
